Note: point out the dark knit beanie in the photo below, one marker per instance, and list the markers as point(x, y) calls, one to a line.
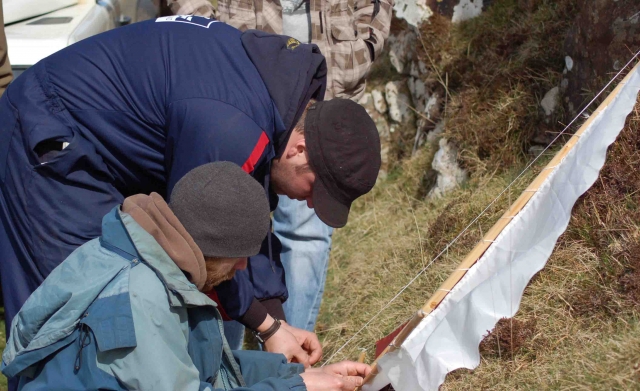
point(223, 209)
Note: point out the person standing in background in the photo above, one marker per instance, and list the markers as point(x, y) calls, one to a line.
point(5, 68)
point(351, 35)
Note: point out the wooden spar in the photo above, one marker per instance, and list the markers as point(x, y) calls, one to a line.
point(493, 233)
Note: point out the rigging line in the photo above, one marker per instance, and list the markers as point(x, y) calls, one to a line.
point(446, 249)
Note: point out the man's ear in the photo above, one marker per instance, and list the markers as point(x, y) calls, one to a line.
point(298, 147)
point(301, 146)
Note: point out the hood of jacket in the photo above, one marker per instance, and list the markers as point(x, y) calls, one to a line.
point(293, 73)
point(154, 215)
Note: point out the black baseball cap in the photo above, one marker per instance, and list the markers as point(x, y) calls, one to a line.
point(344, 152)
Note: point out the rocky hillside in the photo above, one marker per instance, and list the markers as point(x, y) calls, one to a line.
point(467, 93)
point(548, 58)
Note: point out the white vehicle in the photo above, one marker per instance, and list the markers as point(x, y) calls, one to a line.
point(37, 28)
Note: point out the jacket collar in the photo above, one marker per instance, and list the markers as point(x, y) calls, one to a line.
point(120, 232)
point(293, 73)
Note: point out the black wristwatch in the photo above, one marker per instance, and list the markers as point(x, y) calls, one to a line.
point(263, 337)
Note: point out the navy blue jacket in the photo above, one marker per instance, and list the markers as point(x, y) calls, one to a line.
point(139, 107)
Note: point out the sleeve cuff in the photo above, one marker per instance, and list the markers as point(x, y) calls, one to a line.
point(255, 315)
point(274, 308)
point(295, 383)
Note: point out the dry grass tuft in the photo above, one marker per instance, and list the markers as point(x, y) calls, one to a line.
point(592, 299)
point(509, 338)
point(584, 303)
point(497, 68)
point(579, 318)
point(629, 279)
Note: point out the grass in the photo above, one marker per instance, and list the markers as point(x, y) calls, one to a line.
point(391, 236)
point(579, 322)
point(583, 309)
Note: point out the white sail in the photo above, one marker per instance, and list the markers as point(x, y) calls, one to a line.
point(449, 336)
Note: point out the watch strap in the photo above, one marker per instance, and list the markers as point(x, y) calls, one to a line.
point(264, 336)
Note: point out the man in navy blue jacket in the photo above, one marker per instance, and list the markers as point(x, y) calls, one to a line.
point(134, 109)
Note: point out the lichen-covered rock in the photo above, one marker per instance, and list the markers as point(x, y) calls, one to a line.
point(434, 135)
point(398, 102)
point(466, 9)
point(419, 93)
point(550, 100)
point(379, 102)
point(450, 175)
point(418, 68)
point(383, 128)
point(427, 103)
point(402, 47)
point(416, 12)
point(433, 106)
point(385, 143)
point(458, 9)
point(368, 102)
point(413, 11)
point(568, 64)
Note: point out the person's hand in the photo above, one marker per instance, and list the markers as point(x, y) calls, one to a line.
point(318, 380)
point(286, 343)
point(347, 368)
point(350, 373)
point(307, 340)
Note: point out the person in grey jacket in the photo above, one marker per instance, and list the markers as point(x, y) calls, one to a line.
point(126, 311)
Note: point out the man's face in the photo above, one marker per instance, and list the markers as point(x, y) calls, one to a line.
point(221, 269)
point(291, 174)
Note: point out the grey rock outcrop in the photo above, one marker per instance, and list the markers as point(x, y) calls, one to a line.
point(398, 102)
point(416, 12)
point(368, 101)
point(413, 11)
point(450, 175)
point(550, 100)
point(465, 10)
point(379, 102)
point(402, 47)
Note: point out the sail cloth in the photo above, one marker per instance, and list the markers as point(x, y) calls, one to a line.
point(448, 337)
